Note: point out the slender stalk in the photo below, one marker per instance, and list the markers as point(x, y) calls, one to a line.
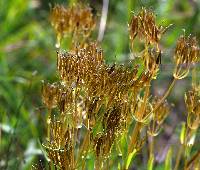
point(134, 136)
point(107, 163)
point(103, 20)
point(181, 149)
point(73, 146)
point(178, 158)
point(165, 95)
point(137, 128)
point(151, 146)
point(147, 89)
point(84, 145)
point(194, 158)
point(48, 124)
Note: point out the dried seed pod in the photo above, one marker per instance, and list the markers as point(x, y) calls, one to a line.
point(186, 53)
point(133, 27)
point(159, 115)
point(59, 146)
point(76, 67)
point(192, 101)
point(76, 20)
point(151, 59)
point(144, 25)
point(111, 120)
point(141, 111)
point(50, 94)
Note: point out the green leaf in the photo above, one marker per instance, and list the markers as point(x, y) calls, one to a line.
point(168, 160)
point(182, 134)
point(90, 161)
point(98, 128)
point(130, 157)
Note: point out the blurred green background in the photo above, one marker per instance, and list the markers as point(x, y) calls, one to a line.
point(28, 55)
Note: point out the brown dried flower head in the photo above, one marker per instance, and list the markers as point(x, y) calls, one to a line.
point(85, 68)
point(186, 53)
point(152, 60)
point(59, 144)
point(112, 122)
point(159, 115)
point(76, 20)
point(192, 101)
point(77, 65)
point(142, 110)
point(107, 94)
point(49, 94)
point(144, 25)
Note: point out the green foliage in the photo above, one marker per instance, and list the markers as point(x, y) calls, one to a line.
point(168, 160)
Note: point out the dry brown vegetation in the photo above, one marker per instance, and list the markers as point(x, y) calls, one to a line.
point(93, 106)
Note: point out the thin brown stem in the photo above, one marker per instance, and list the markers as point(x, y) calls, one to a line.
point(165, 95)
point(48, 124)
point(83, 147)
point(151, 144)
point(147, 89)
point(134, 136)
point(193, 159)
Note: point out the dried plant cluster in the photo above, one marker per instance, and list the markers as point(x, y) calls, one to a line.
point(144, 26)
point(93, 105)
point(186, 54)
point(77, 21)
point(192, 100)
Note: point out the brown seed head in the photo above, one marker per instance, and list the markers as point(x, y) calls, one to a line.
point(76, 66)
point(59, 146)
point(76, 20)
point(49, 94)
point(186, 53)
point(187, 50)
point(144, 25)
point(151, 59)
point(141, 111)
point(192, 101)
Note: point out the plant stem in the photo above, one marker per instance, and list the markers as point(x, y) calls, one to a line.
point(84, 147)
point(178, 158)
point(134, 136)
point(142, 111)
point(103, 20)
point(181, 149)
point(48, 124)
point(151, 146)
point(165, 95)
point(195, 156)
